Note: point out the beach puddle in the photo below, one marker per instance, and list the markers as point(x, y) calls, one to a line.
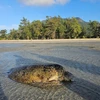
point(40, 75)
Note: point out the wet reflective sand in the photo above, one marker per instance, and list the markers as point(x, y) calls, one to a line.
point(82, 59)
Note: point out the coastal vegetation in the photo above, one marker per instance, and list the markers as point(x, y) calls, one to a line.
point(53, 28)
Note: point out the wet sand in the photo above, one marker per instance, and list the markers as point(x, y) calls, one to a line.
point(79, 57)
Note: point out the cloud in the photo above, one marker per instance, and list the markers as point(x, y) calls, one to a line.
point(8, 28)
point(42, 2)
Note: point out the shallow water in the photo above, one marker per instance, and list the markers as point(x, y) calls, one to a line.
point(80, 59)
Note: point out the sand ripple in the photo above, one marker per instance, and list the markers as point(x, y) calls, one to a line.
point(83, 62)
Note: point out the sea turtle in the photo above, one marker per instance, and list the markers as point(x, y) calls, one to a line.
point(49, 73)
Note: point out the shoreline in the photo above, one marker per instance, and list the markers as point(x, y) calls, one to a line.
point(51, 41)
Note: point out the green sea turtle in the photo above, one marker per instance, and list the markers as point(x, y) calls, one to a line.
point(47, 74)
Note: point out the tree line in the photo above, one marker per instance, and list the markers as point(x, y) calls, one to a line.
point(52, 28)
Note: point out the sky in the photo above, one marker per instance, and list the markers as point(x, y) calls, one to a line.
point(12, 11)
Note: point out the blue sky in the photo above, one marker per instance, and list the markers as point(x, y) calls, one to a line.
point(12, 11)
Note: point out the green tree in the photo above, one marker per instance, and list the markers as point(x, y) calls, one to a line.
point(83, 33)
point(24, 29)
point(36, 29)
point(3, 34)
point(60, 30)
point(73, 28)
point(98, 31)
point(13, 35)
point(54, 27)
point(94, 29)
point(50, 28)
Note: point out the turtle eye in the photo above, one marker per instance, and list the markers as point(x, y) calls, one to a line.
point(44, 69)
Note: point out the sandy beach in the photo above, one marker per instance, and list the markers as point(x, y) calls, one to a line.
point(81, 57)
point(50, 41)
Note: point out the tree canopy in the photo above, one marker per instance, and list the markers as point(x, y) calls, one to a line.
point(53, 28)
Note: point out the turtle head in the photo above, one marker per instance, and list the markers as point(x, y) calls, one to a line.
point(68, 76)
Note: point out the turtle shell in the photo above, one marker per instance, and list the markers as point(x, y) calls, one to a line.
point(47, 74)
